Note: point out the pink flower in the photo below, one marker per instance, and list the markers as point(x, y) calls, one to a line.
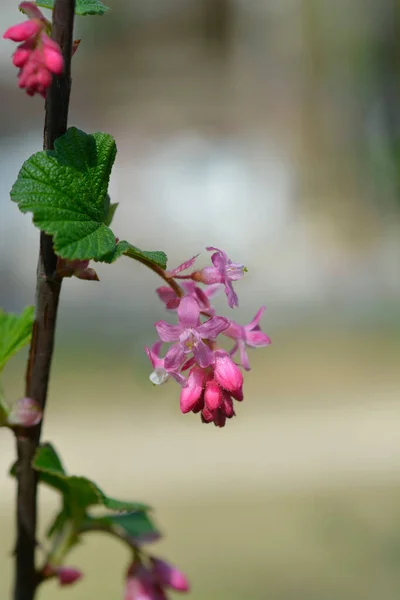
point(247, 335)
point(224, 271)
point(38, 56)
point(189, 335)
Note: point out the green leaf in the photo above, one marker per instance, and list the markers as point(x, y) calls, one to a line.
point(58, 524)
point(136, 527)
point(82, 7)
point(15, 333)
point(111, 213)
point(78, 492)
point(66, 190)
point(46, 460)
point(123, 506)
point(155, 257)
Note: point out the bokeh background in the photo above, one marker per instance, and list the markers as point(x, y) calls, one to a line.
point(269, 128)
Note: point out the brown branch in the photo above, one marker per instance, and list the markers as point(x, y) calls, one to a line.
point(48, 287)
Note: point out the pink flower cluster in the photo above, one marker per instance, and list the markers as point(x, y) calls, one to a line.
point(213, 380)
point(149, 583)
point(38, 57)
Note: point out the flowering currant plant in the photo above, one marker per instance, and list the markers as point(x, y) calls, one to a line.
point(65, 188)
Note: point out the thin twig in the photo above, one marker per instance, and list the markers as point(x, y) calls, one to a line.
point(48, 287)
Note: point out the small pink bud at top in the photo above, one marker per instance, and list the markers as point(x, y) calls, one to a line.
point(226, 372)
point(25, 412)
point(22, 31)
point(68, 575)
point(169, 576)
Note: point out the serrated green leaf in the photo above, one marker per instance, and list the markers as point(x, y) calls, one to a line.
point(66, 190)
point(82, 7)
point(155, 257)
point(15, 333)
point(111, 212)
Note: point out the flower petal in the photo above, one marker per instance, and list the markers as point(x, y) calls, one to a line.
point(235, 271)
point(159, 376)
point(235, 331)
point(188, 312)
point(219, 261)
point(257, 339)
point(244, 359)
point(31, 10)
point(174, 358)
point(223, 254)
point(203, 354)
point(191, 392)
point(169, 576)
point(232, 296)
point(183, 266)
point(167, 332)
point(212, 289)
point(213, 327)
point(254, 323)
point(165, 293)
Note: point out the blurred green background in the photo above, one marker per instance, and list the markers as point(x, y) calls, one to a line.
point(269, 128)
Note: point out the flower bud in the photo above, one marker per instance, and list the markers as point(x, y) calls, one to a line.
point(22, 31)
point(212, 395)
point(25, 412)
point(226, 372)
point(169, 576)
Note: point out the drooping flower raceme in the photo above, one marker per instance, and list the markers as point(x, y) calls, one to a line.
point(38, 57)
point(209, 377)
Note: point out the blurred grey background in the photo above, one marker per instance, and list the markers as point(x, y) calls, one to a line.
point(269, 128)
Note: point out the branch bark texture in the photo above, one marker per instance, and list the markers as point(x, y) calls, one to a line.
point(48, 287)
